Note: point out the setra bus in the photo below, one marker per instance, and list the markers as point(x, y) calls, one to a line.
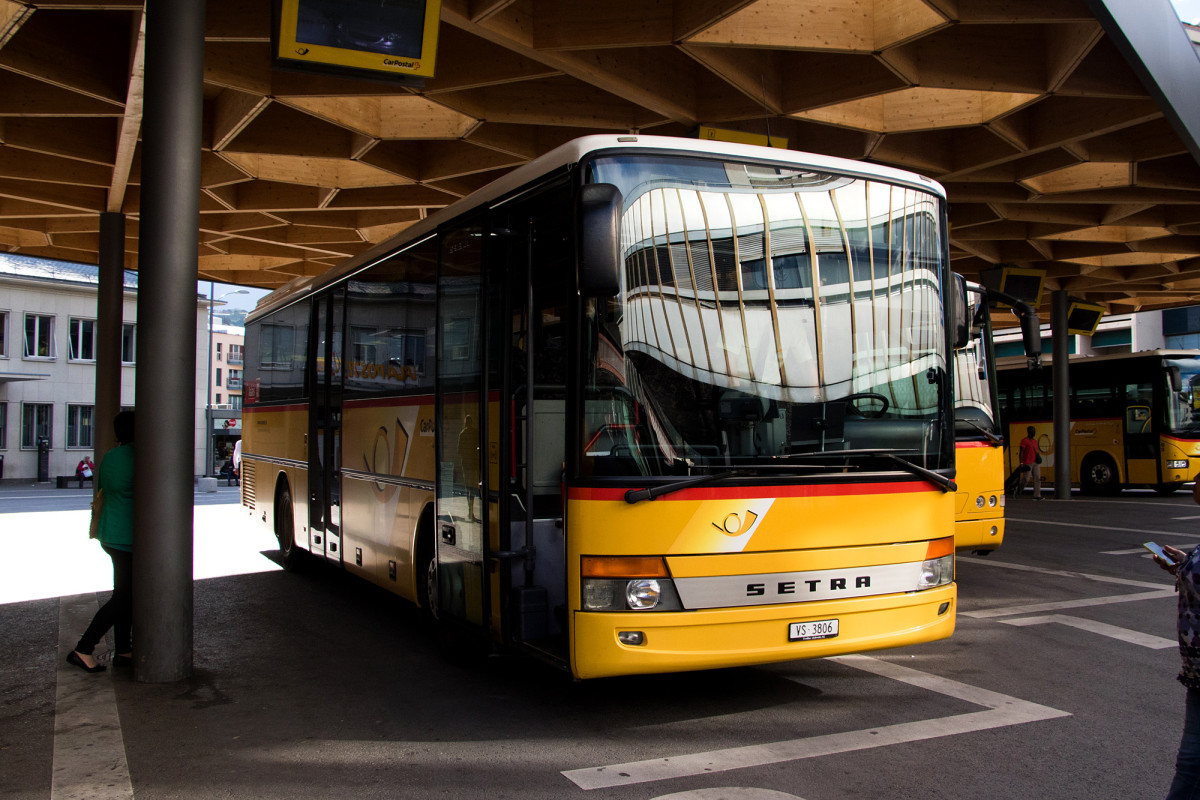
point(1135, 419)
point(642, 405)
point(979, 457)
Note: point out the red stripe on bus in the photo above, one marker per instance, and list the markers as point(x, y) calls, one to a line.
point(972, 444)
point(265, 409)
point(1181, 439)
point(750, 492)
point(390, 402)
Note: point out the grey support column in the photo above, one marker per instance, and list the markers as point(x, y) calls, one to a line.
point(109, 321)
point(1062, 395)
point(166, 387)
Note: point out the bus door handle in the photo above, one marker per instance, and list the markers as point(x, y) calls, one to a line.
point(449, 535)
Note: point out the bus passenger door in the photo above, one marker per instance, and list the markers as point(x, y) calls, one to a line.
point(325, 428)
point(1141, 437)
point(462, 511)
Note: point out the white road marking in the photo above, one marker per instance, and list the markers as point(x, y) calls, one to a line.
point(1186, 518)
point(1139, 531)
point(729, 793)
point(89, 750)
point(1062, 573)
point(1002, 710)
point(1102, 628)
point(1085, 602)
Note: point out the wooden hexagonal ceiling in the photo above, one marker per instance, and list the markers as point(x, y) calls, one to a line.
point(1054, 154)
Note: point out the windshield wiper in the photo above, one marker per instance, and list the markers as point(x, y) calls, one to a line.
point(993, 438)
point(637, 495)
point(946, 484)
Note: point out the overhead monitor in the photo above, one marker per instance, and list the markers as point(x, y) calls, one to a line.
point(388, 39)
point(1082, 318)
point(1020, 282)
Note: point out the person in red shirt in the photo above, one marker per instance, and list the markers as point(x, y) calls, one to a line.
point(1031, 458)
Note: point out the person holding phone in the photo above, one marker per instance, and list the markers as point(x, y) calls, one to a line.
point(1186, 569)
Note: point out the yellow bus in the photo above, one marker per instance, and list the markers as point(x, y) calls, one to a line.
point(642, 405)
point(979, 457)
point(1135, 419)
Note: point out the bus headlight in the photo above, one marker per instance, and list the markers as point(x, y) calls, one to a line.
point(992, 501)
point(622, 583)
point(936, 572)
point(980, 502)
point(1178, 464)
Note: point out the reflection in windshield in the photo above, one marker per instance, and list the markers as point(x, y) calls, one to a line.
point(1183, 403)
point(765, 313)
point(973, 377)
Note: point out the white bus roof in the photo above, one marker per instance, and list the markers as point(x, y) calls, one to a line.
point(572, 153)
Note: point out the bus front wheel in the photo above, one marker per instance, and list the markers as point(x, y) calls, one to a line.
point(1099, 476)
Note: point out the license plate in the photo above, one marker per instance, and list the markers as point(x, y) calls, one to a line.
point(818, 629)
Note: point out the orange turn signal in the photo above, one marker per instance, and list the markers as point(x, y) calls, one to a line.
point(624, 567)
point(939, 548)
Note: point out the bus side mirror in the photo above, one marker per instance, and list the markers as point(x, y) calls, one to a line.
point(960, 316)
point(600, 240)
point(1176, 377)
point(1031, 334)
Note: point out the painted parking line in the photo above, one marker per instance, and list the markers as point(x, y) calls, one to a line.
point(1138, 531)
point(89, 750)
point(1102, 628)
point(1157, 590)
point(1001, 711)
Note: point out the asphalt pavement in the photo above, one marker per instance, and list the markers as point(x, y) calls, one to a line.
point(1058, 683)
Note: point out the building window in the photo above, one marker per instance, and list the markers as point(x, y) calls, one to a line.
point(236, 401)
point(218, 398)
point(3, 334)
point(79, 426)
point(235, 380)
point(218, 377)
point(128, 344)
point(35, 423)
point(218, 351)
point(83, 340)
point(235, 354)
point(3, 426)
point(39, 336)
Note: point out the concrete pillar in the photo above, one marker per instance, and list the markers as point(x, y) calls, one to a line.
point(166, 388)
point(1059, 304)
point(109, 321)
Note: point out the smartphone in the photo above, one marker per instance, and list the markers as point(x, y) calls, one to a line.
point(1158, 551)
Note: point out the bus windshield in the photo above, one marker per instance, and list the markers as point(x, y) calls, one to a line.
point(1183, 397)
point(766, 315)
point(974, 411)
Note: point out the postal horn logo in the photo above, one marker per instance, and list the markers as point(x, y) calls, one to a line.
point(735, 524)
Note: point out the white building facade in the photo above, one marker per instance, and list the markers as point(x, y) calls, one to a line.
point(48, 344)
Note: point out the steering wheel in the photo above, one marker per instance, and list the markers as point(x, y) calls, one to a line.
point(850, 400)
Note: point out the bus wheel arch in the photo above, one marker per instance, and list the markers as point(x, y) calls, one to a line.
point(425, 564)
point(1168, 488)
point(285, 526)
point(1098, 475)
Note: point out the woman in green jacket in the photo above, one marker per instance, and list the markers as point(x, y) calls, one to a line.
point(116, 537)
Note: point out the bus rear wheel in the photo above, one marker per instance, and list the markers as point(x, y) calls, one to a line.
point(285, 531)
point(1099, 475)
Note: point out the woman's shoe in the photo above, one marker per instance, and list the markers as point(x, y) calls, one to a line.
point(74, 659)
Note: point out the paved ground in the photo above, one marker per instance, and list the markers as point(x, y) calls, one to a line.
point(1059, 683)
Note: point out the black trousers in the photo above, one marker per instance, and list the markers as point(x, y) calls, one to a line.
point(117, 613)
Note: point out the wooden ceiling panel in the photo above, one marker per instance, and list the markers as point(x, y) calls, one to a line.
point(1047, 143)
point(281, 130)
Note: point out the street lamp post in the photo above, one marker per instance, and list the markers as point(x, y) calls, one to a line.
point(208, 417)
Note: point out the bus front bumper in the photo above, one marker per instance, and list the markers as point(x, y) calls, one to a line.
point(732, 637)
